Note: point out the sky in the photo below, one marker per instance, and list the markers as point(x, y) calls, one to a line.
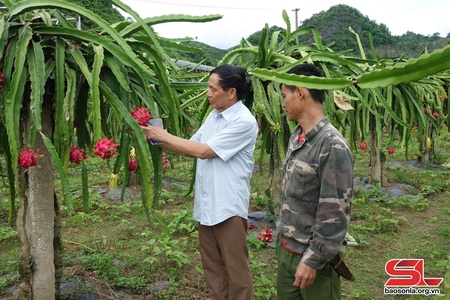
point(242, 18)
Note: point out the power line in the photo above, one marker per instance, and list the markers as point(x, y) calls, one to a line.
point(200, 6)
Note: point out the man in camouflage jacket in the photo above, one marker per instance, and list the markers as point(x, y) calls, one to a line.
point(316, 200)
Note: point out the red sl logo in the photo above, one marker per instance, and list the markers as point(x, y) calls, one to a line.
point(409, 272)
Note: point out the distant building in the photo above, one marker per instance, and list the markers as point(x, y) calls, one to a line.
point(194, 67)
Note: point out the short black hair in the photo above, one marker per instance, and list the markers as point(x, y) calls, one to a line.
point(309, 70)
point(231, 76)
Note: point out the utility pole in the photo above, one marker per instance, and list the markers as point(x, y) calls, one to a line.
point(296, 17)
point(296, 21)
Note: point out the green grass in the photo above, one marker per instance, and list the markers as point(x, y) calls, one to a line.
point(122, 252)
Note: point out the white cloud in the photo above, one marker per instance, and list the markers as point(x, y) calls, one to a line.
point(242, 18)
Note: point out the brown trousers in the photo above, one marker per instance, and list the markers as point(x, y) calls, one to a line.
point(224, 254)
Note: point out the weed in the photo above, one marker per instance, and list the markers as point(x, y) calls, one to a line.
point(6, 233)
point(125, 253)
point(9, 278)
point(413, 202)
point(384, 224)
point(133, 283)
point(259, 199)
point(253, 242)
point(166, 247)
point(183, 221)
point(100, 244)
point(263, 286)
point(444, 232)
point(101, 263)
point(82, 219)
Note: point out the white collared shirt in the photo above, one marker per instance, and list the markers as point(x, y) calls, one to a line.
point(222, 184)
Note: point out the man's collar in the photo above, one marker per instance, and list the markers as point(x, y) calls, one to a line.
point(227, 113)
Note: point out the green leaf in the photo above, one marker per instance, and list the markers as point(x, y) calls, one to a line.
point(14, 97)
point(288, 29)
point(4, 30)
point(140, 142)
point(61, 128)
point(46, 18)
point(135, 26)
point(36, 66)
point(70, 99)
point(24, 6)
point(62, 20)
point(80, 60)
point(167, 93)
point(124, 150)
point(310, 82)
point(95, 94)
point(147, 30)
point(262, 47)
point(118, 72)
point(85, 188)
point(10, 166)
point(413, 69)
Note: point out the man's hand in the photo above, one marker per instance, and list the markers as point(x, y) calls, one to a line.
point(304, 276)
point(178, 145)
point(155, 133)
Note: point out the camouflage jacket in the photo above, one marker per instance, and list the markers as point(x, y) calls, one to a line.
point(317, 192)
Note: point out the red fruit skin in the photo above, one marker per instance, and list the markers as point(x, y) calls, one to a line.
point(28, 158)
point(77, 155)
point(363, 146)
point(436, 115)
point(390, 150)
point(105, 148)
point(265, 235)
point(132, 165)
point(141, 115)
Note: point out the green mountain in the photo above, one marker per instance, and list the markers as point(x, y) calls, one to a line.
point(333, 25)
point(207, 55)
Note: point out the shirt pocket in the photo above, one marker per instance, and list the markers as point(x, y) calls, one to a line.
point(302, 179)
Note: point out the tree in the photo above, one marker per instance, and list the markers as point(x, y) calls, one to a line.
point(56, 78)
point(101, 8)
point(386, 94)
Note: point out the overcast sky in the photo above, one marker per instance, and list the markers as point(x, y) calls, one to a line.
point(244, 17)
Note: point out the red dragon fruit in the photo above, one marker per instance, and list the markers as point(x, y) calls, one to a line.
point(105, 148)
point(77, 155)
point(141, 115)
point(132, 165)
point(390, 150)
point(363, 146)
point(265, 235)
point(28, 158)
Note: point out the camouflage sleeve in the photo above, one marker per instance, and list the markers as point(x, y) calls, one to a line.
point(333, 211)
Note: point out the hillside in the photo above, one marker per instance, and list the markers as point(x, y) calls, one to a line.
point(333, 26)
point(207, 55)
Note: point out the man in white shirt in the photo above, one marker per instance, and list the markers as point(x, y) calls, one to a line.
point(224, 146)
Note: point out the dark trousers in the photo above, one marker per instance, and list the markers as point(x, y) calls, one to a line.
point(326, 286)
point(224, 254)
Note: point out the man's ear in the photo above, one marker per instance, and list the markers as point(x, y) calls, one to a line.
point(299, 92)
point(232, 93)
